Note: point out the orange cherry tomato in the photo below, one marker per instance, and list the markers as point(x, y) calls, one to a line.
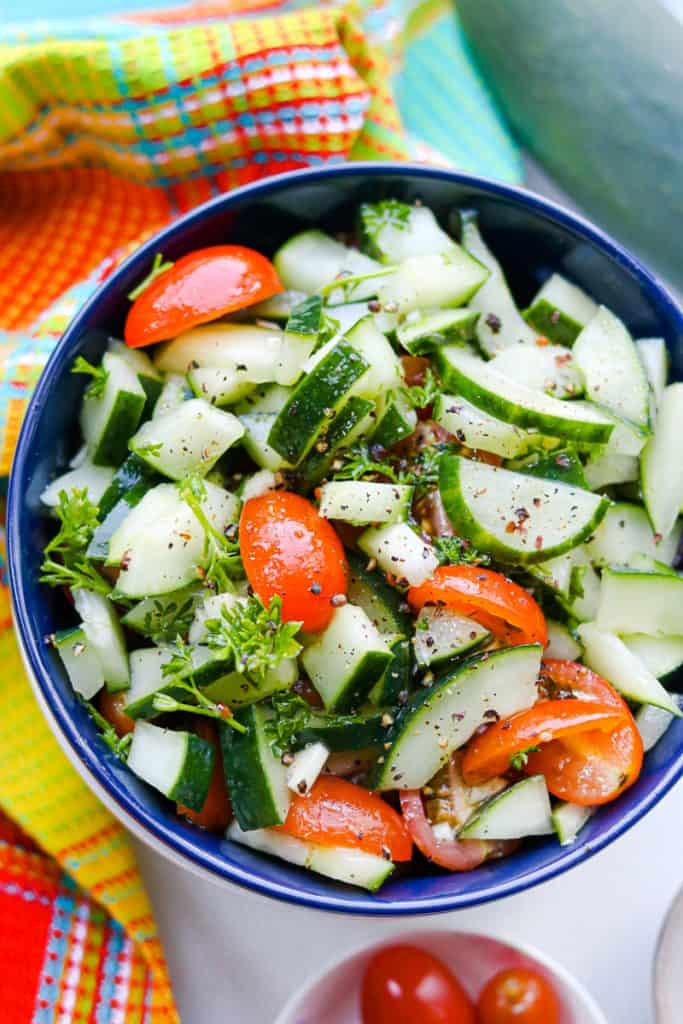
point(339, 813)
point(470, 589)
point(111, 707)
point(592, 767)
point(291, 551)
point(518, 996)
point(216, 814)
point(406, 985)
point(489, 753)
point(201, 286)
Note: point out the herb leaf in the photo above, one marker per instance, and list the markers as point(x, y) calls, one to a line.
point(117, 744)
point(419, 396)
point(359, 462)
point(291, 714)
point(458, 551)
point(222, 553)
point(65, 563)
point(255, 635)
point(159, 266)
point(95, 388)
point(519, 760)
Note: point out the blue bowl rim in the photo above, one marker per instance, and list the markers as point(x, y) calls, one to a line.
point(164, 838)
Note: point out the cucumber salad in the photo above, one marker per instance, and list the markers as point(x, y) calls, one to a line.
point(370, 568)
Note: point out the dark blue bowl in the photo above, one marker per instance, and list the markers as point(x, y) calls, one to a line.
point(532, 237)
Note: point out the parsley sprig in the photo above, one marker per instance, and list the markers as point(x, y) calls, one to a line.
point(520, 760)
point(159, 266)
point(117, 744)
point(359, 462)
point(458, 551)
point(95, 388)
point(255, 635)
point(419, 396)
point(291, 714)
point(179, 671)
point(65, 563)
point(221, 553)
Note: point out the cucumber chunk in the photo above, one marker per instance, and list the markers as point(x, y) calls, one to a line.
point(360, 502)
point(661, 655)
point(561, 643)
point(127, 477)
point(257, 484)
point(641, 602)
point(235, 690)
point(306, 767)
point(105, 636)
point(366, 729)
point(98, 548)
point(356, 417)
point(517, 518)
point(310, 260)
point(440, 635)
point(343, 864)
point(189, 440)
point(108, 420)
point(346, 659)
point(609, 656)
point(302, 332)
point(652, 724)
point(384, 369)
point(163, 618)
point(142, 365)
point(585, 589)
point(625, 533)
point(661, 465)
point(174, 392)
point(569, 819)
point(519, 811)
point(400, 551)
point(395, 679)
point(254, 352)
point(392, 231)
point(465, 375)
point(147, 679)
point(561, 464)
point(607, 467)
point(95, 480)
point(256, 777)
point(257, 427)
point(655, 358)
point(423, 331)
point(278, 307)
point(437, 279)
point(438, 720)
point(178, 764)
point(560, 310)
point(396, 420)
point(614, 374)
point(80, 659)
point(477, 429)
point(547, 368)
point(556, 573)
point(219, 387)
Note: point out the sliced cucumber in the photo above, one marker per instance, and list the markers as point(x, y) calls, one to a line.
point(641, 602)
point(477, 429)
point(438, 720)
point(437, 279)
point(254, 352)
point(147, 679)
point(661, 655)
point(614, 374)
point(423, 331)
point(556, 573)
point(608, 655)
point(98, 548)
point(652, 724)
point(346, 659)
point(360, 502)
point(174, 392)
point(142, 365)
point(585, 589)
point(395, 680)
point(661, 465)
point(108, 420)
point(235, 690)
point(607, 467)
point(547, 368)
point(655, 358)
point(165, 617)
point(465, 375)
point(127, 477)
point(355, 418)
point(269, 398)
point(561, 464)
point(302, 333)
point(257, 427)
point(101, 625)
point(400, 551)
point(95, 480)
point(189, 440)
point(343, 864)
point(384, 369)
point(219, 386)
point(347, 314)
point(521, 810)
point(306, 766)
point(560, 310)
point(356, 732)
point(500, 323)
point(625, 533)
point(310, 260)
point(256, 777)
point(257, 484)
point(278, 307)
point(392, 231)
point(440, 635)
point(513, 516)
point(561, 643)
point(81, 661)
point(396, 421)
point(314, 401)
point(211, 608)
point(178, 764)
point(569, 819)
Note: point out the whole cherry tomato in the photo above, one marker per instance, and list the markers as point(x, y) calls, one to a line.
point(407, 985)
point(199, 287)
point(518, 996)
point(291, 551)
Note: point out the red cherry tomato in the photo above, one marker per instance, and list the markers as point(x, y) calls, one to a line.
point(339, 813)
point(111, 707)
point(470, 589)
point(452, 854)
point(291, 551)
point(216, 814)
point(518, 996)
point(407, 985)
point(201, 286)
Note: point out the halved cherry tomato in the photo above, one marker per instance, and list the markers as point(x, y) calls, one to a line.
point(406, 985)
point(288, 549)
point(453, 854)
point(469, 588)
point(216, 814)
point(518, 996)
point(414, 369)
point(201, 286)
point(111, 707)
point(592, 767)
point(489, 753)
point(338, 813)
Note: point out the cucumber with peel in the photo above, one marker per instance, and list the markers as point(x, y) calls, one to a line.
point(392, 231)
point(652, 724)
point(399, 551)
point(560, 310)
point(521, 810)
point(256, 776)
point(478, 429)
point(655, 358)
point(661, 655)
point(421, 332)
point(101, 625)
point(561, 643)
point(80, 660)
point(569, 819)
point(108, 419)
point(178, 764)
point(361, 502)
point(311, 259)
point(547, 368)
point(661, 466)
point(640, 602)
point(441, 634)
point(189, 440)
point(435, 280)
point(625, 533)
point(94, 480)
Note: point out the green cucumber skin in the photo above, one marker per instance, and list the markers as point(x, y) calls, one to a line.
point(123, 422)
point(455, 382)
point(430, 341)
point(300, 422)
point(465, 525)
point(136, 618)
point(192, 787)
point(548, 468)
point(392, 427)
point(396, 676)
point(128, 475)
point(249, 791)
point(306, 319)
point(98, 549)
point(552, 323)
point(396, 620)
point(351, 736)
point(316, 464)
point(143, 708)
point(152, 387)
point(368, 671)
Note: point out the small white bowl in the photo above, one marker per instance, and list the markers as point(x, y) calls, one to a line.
point(333, 995)
point(668, 981)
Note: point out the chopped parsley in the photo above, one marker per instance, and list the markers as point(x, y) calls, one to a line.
point(255, 635)
point(520, 760)
point(65, 563)
point(159, 266)
point(458, 551)
point(419, 396)
point(95, 388)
